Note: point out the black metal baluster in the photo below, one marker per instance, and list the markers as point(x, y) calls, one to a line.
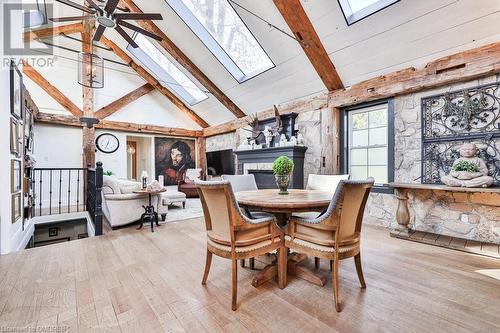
point(60, 189)
point(50, 194)
point(41, 179)
point(78, 190)
point(69, 190)
point(33, 203)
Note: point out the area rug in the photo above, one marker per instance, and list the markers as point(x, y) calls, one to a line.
point(177, 213)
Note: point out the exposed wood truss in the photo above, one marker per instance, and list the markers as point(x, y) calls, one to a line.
point(154, 82)
point(298, 21)
point(459, 67)
point(68, 120)
point(55, 93)
point(184, 61)
point(111, 108)
point(88, 134)
point(67, 29)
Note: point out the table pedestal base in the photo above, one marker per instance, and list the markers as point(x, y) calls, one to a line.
point(293, 268)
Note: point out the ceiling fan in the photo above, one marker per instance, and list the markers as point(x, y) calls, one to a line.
point(104, 12)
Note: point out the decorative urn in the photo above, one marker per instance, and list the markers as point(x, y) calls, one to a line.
point(282, 169)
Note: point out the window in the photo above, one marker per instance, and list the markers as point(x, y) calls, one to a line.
point(151, 57)
point(355, 10)
point(369, 143)
point(219, 27)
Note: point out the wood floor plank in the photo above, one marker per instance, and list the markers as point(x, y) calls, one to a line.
point(138, 281)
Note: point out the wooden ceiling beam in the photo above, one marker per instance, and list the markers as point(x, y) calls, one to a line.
point(68, 120)
point(55, 93)
point(120, 103)
point(459, 67)
point(154, 82)
point(169, 46)
point(67, 29)
point(298, 21)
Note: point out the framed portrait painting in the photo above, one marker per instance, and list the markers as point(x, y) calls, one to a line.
point(16, 91)
point(172, 157)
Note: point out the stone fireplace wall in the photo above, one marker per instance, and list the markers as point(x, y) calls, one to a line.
point(471, 216)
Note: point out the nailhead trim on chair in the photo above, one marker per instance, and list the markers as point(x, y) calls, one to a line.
point(322, 248)
point(242, 249)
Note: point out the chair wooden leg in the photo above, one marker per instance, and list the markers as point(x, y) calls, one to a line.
point(208, 262)
point(331, 265)
point(282, 267)
point(242, 262)
point(252, 263)
point(316, 262)
point(335, 283)
point(234, 284)
point(357, 262)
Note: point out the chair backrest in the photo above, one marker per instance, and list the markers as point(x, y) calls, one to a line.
point(352, 197)
point(219, 205)
point(241, 182)
point(327, 183)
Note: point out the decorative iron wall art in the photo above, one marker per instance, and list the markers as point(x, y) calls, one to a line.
point(452, 119)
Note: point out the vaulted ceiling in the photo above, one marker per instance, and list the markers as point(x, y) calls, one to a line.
point(408, 33)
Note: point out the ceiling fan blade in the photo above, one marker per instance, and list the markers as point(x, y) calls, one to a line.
point(94, 5)
point(72, 18)
point(111, 6)
point(98, 33)
point(140, 30)
point(138, 16)
point(77, 6)
point(126, 36)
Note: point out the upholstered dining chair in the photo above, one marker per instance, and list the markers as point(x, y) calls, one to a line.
point(244, 183)
point(335, 235)
point(232, 235)
point(327, 183)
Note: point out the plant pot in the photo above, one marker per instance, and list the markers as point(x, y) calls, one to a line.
point(283, 181)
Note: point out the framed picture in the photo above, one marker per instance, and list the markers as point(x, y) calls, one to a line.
point(16, 91)
point(53, 232)
point(15, 176)
point(14, 137)
point(16, 207)
point(172, 157)
point(28, 123)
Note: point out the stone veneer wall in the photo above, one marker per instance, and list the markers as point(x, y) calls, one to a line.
point(471, 216)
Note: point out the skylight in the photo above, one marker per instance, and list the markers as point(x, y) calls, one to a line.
point(151, 57)
point(219, 27)
point(355, 10)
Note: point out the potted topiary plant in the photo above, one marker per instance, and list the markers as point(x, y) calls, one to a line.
point(282, 169)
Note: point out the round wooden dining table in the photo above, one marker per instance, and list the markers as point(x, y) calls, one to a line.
point(283, 206)
point(296, 201)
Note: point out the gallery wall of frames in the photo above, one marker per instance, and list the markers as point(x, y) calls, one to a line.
point(22, 114)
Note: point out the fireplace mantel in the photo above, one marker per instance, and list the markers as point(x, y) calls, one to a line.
point(268, 155)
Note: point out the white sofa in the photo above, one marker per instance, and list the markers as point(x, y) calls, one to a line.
point(121, 206)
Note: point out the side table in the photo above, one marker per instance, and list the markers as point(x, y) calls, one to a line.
point(149, 214)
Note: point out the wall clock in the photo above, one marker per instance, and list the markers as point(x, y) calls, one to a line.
point(107, 143)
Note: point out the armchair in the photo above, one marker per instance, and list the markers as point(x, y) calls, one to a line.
point(232, 235)
point(121, 206)
point(335, 235)
point(186, 181)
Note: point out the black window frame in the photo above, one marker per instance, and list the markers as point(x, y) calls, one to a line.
point(344, 135)
point(366, 12)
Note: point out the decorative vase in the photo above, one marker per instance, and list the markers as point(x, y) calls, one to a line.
point(283, 181)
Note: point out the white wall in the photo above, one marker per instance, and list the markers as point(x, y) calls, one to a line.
point(58, 146)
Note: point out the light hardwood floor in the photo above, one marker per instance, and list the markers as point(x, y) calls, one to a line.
point(138, 281)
